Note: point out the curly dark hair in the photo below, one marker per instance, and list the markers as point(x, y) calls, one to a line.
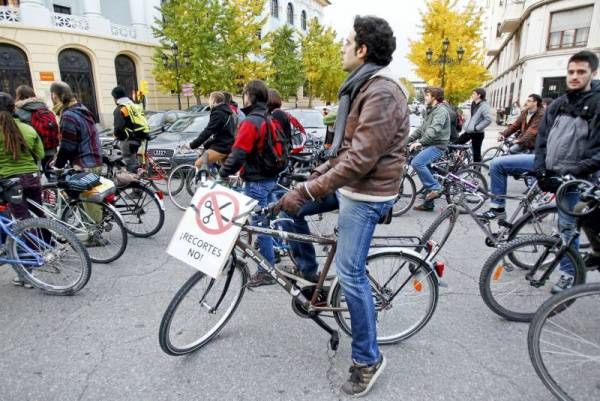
point(377, 35)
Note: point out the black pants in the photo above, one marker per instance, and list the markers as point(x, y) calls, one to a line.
point(476, 139)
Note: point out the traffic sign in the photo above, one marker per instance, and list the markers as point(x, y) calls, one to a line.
point(187, 89)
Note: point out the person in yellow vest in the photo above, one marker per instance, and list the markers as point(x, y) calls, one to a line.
point(130, 127)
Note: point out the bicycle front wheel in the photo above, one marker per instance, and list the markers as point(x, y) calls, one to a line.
point(512, 291)
point(405, 294)
point(406, 196)
point(200, 309)
point(142, 211)
point(490, 154)
point(181, 186)
point(440, 229)
point(456, 194)
point(564, 343)
point(66, 265)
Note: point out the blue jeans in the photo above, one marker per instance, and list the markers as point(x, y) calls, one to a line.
point(304, 252)
point(356, 223)
point(261, 191)
point(502, 167)
point(420, 163)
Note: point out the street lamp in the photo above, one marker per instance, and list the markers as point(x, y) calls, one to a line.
point(444, 59)
point(175, 64)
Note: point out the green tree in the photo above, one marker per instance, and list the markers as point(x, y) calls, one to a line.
point(322, 60)
point(410, 88)
point(443, 19)
point(283, 57)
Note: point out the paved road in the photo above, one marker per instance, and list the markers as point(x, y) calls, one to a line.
point(102, 343)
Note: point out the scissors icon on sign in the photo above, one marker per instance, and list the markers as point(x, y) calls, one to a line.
point(208, 205)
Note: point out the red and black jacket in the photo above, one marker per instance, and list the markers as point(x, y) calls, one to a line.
point(247, 149)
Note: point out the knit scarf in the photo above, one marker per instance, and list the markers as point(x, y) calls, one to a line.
point(59, 107)
point(347, 93)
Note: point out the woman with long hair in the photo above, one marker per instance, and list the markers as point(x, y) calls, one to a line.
point(21, 149)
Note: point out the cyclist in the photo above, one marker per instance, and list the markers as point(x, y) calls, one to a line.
point(432, 138)
point(20, 150)
point(362, 177)
point(481, 118)
point(526, 126)
point(130, 127)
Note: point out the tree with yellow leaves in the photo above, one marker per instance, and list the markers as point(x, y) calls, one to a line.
point(462, 27)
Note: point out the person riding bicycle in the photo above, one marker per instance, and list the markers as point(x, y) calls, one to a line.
point(481, 118)
point(251, 153)
point(432, 138)
point(218, 136)
point(526, 126)
point(130, 127)
point(362, 179)
point(20, 150)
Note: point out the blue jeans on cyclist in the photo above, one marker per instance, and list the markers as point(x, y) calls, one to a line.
point(261, 191)
point(420, 163)
point(501, 168)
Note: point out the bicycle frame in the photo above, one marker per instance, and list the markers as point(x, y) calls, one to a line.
point(5, 227)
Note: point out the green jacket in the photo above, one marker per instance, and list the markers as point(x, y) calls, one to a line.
point(435, 130)
point(26, 164)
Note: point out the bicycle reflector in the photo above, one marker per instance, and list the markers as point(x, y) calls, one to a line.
point(439, 268)
point(110, 198)
point(160, 194)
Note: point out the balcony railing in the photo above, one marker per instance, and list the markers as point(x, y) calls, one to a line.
point(123, 31)
point(10, 14)
point(70, 22)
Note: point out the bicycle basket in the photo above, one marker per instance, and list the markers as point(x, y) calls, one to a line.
point(98, 193)
point(11, 191)
point(81, 181)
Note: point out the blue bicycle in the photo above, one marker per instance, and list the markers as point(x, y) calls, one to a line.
point(42, 251)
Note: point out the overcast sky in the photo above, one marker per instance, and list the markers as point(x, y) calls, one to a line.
point(403, 17)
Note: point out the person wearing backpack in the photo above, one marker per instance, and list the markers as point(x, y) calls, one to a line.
point(219, 134)
point(130, 127)
point(33, 111)
point(259, 151)
point(567, 142)
point(20, 148)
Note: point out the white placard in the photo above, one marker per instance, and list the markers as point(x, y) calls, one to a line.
point(209, 228)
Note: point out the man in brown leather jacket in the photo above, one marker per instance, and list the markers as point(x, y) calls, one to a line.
point(362, 178)
point(526, 125)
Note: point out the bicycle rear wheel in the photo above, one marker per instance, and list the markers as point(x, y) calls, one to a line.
point(200, 309)
point(490, 154)
point(406, 196)
point(504, 285)
point(405, 294)
point(440, 229)
point(456, 194)
point(564, 343)
point(180, 185)
point(142, 211)
point(67, 266)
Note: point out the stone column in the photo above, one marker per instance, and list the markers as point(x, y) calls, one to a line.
point(93, 12)
point(138, 18)
point(35, 13)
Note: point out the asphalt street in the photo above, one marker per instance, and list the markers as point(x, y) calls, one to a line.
point(102, 344)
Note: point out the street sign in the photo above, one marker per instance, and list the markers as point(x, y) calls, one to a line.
point(187, 90)
point(210, 227)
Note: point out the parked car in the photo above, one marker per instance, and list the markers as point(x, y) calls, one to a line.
point(164, 118)
point(198, 108)
point(182, 131)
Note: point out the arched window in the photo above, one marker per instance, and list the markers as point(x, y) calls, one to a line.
point(126, 76)
point(275, 8)
point(14, 68)
point(303, 20)
point(290, 14)
point(76, 70)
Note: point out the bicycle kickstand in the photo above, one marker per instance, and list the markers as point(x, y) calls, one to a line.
point(334, 340)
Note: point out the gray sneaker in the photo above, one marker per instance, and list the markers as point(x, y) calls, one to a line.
point(260, 278)
point(362, 378)
point(565, 281)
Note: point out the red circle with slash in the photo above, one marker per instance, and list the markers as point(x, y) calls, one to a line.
point(222, 224)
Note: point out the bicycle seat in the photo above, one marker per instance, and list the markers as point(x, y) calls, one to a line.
point(456, 147)
point(303, 159)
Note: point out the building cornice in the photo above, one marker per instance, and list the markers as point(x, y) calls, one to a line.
point(323, 3)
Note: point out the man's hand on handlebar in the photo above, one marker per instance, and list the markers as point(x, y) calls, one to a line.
point(415, 146)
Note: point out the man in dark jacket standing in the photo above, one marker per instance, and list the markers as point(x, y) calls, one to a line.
point(362, 177)
point(130, 127)
point(219, 134)
point(526, 126)
point(481, 118)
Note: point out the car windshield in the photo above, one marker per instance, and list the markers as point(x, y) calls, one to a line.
point(167, 137)
point(155, 119)
point(309, 118)
point(190, 124)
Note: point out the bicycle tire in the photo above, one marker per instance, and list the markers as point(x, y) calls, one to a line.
point(92, 230)
point(179, 187)
point(137, 205)
point(168, 338)
point(452, 190)
point(157, 176)
point(495, 151)
point(572, 186)
point(448, 217)
point(569, 302)
point(495, 268)
point(58, 238)
point(408, 192)
point(426, 279)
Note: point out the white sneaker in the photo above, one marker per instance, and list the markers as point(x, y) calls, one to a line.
point(565, 281)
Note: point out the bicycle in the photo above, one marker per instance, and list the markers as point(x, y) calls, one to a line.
point(547, 252)
point(103, 233)
point(564, 342)
point(44, 252)
point(410, 276)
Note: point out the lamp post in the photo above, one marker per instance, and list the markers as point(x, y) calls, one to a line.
point(444, 59)
point(175, 64)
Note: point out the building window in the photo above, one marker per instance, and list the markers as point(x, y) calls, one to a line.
point(570, 28)
point(290, 14)
point(61, 9)
point(10, 3)
point(303, 20)
point(274, 8)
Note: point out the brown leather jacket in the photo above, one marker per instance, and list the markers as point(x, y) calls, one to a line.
point(371, 159)
point(528, 131)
